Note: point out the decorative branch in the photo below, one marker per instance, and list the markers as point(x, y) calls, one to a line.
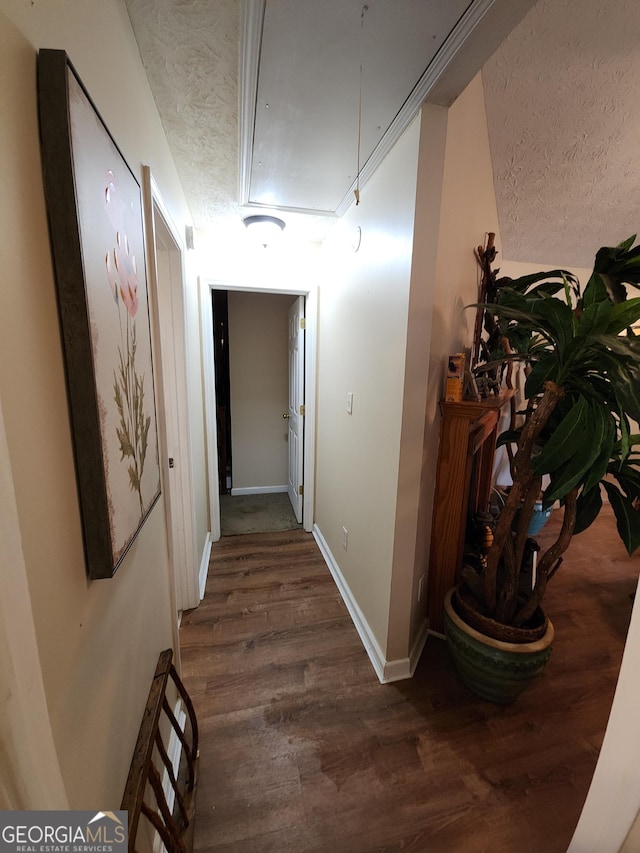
point(521, 483)
point(548, 564)
point(485, 257)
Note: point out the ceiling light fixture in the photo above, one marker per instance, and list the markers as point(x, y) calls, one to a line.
point(264, 228)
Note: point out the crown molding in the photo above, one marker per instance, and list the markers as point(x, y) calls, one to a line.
point(434, 71)
point(457, 61)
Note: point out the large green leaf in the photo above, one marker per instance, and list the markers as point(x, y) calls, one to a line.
point(589, 505)
point(620, 344)
point(520, 339)
point(595, 319)
point(628, 393)
point(628, 477)
point(633, 440)
point(625, 245)
point(583, 381)
point(623, 315)
point(625, 435)
point(600, 386)
point(546, 288)
point(572, 472)
point(627, 518)
point(523, 283)
point(620, 263)
point(548, 317)
point(595, 291)
point(563, 408)
point(625, 383)
point(545, 368)
point(601, 462)
point(616, 290)
point(513, 299)
point(580, 356)
point(565, 440)
point(522, 315)
point(557, 318)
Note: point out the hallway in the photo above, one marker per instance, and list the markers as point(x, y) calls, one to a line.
point(303, 749)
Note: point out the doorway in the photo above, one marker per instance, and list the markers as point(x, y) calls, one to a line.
point(241, 483)
point(220, 308)
point(259, 381)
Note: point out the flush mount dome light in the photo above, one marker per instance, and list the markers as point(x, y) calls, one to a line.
point(264, 228)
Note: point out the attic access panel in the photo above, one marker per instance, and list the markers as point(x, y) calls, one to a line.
point(306, 120)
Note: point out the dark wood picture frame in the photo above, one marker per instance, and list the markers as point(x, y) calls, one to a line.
point(96, 230)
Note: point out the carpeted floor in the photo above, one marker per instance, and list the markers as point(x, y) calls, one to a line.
point(256, 514)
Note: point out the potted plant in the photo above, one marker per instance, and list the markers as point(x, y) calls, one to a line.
point(579, 427)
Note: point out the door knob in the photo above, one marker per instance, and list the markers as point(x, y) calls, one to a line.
point(286, 416)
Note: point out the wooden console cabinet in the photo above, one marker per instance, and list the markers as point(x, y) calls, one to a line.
point(468, 433)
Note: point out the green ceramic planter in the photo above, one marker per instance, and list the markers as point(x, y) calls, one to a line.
point(492, 669)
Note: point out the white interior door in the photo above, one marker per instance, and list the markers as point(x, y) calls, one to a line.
point(165, 266)
point(166, 279)
point(296, 406)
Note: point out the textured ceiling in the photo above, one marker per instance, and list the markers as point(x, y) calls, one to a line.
point(564, 126)
point(214, 65)
point(190, 50)
point(561, 105)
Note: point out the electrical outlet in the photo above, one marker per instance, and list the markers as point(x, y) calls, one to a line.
point(420, 585)
point(345, 538)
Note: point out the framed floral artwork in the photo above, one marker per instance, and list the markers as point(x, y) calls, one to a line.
point(95, 223)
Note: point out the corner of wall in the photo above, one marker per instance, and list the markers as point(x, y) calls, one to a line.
point(409, 558)
point(455, 207)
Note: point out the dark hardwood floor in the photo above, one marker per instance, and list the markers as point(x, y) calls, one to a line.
point(303, 749)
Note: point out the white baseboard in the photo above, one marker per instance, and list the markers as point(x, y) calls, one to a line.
point(259, 490)
point(387, 671)
point(398, 670)
point(204, 565)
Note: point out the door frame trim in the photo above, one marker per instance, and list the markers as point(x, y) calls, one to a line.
point(296, 325)
point(183, 566)
point(208, 369)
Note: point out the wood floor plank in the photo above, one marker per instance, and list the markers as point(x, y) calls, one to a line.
point(302, 749)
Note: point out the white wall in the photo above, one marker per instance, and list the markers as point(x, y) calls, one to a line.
point(411, 536)
point(362, 335)
point(98, 641)
point(30, 766)
point(389, 316)
point(468, 211)
point(455, 207)
point(258, 366)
